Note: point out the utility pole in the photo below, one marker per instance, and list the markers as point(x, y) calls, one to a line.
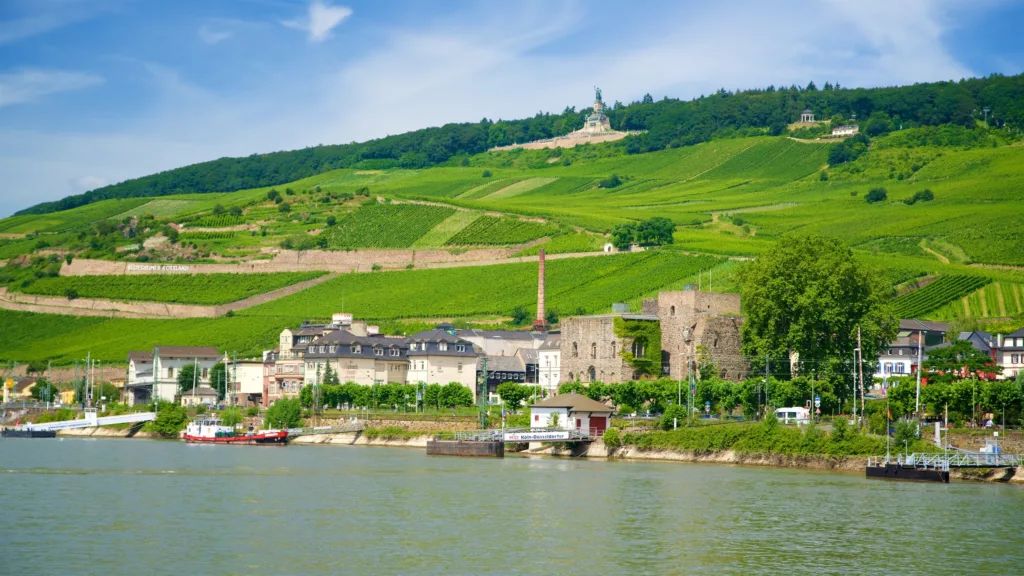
point(917, 399)
point(986, 111)
point(88, 369)
point(767, 398)
point(854, 387)
point(861, 364)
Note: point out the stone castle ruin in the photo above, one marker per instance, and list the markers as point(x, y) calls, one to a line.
point(694, 327)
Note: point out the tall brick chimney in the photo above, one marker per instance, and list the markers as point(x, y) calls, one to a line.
point(540, 324)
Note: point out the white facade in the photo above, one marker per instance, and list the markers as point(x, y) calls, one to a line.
point(364, 371)
point(166, 373)
point(845, 130)
point(897, 361)
point(437, 369)
point(541, 417)
point(1012, 362)
point(248, 377)
point(549, 369)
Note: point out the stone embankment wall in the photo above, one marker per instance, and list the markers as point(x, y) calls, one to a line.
point(105, 432)
point(342, 262)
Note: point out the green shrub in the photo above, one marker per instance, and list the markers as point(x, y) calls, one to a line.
point(170, 419)
point(252, 411)
point(875, 195)
point(674, 414)
point(612, 440)
point(231, 416)
point(610, 182)
point(285, 414)
point(486, 174)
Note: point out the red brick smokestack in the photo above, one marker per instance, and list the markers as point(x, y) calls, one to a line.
point(540, 324)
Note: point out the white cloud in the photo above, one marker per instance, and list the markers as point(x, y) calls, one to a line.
point(211, 36)
point(321, 19)
point(29, 84)
point(498, 64)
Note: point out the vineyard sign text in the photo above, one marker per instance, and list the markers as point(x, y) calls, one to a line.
point(157, 268)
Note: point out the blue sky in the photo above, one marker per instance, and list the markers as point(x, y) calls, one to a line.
point(96, 91)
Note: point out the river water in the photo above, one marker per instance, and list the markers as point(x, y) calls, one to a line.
point(109, 506)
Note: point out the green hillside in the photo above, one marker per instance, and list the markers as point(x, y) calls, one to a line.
point(952, 210)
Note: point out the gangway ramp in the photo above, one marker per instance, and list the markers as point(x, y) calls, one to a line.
point(91, 420)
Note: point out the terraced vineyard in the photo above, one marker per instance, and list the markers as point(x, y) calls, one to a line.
point(995, 300)
point(942, 291)
point(182, 289)
point(500, 231)
point(386, 225)
point(419, 293)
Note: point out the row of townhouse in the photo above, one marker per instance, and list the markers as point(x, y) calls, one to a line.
point(917, 338)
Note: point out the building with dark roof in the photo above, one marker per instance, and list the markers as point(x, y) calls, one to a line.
point(501, 369)
point(571, 412)
point(361, 359)
point(154, 374)
point(440, 356)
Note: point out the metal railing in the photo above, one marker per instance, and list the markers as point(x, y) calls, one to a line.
point(352, 426)
point(945, 461)
point(517, 435)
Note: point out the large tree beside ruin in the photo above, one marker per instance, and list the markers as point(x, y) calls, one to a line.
point(809, 294)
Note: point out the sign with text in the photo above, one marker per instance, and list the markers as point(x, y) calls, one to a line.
point(537, 436)
point(166, 268)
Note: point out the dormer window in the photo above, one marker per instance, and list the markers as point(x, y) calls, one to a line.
point(460, 347)
point(442, 346)
point(412, 346)
point(394, 352)
point(357, 349)
point(378, 351)
point(333, 349)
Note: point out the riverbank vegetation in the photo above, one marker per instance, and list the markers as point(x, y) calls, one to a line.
point(769, 437)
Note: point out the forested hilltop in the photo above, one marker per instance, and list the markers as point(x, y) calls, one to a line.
point(667, 123)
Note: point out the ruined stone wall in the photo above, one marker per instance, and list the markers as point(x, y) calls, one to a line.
point(586, 332)
point(720, 336)
point(680, 313)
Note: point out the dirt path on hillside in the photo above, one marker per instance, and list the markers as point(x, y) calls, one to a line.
point(137, 309)
point(941, 258)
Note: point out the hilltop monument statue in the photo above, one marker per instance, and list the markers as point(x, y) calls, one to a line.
point(597, 122)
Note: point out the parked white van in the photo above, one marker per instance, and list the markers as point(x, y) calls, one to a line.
point(793, 415)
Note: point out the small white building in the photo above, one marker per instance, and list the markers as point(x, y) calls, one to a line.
point(807, 116)
point(201, 395)
point(549, 364)
point(571, 412)
point(845, 130)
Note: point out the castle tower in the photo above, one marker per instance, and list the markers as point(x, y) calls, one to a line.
point(540, 323)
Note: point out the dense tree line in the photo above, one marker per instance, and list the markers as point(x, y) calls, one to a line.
point(667, 123)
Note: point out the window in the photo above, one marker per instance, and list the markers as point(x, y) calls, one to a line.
point(442, 346)
point(394, 351)
point(575, 351)
point(412, 346)
point(536, 417)
point(592, 374)
point(901, 351)
point(460, 348)
point(170, 372)
point(639, 348)
point(672, 311)
point(357, 349)
point(333, 349)
point(593, 350)
point(378, 351)
point(460, 366)
point(613, 349)
point(206, 373)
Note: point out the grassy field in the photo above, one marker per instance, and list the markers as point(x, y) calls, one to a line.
point(181, 289)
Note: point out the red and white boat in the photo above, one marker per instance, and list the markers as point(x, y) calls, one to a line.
point(213, 431)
